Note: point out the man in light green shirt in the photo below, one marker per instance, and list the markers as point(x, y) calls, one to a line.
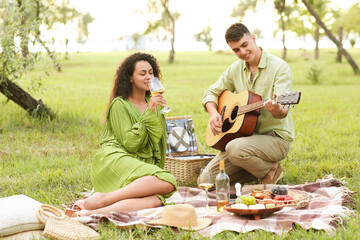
point(257, 156)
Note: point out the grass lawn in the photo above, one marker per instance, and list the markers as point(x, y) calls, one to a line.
point(50, 161)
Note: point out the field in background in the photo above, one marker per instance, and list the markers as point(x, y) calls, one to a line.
point(50, 161)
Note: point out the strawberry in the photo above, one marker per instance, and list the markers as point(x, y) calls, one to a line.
point(279, 197)
point(288, 199)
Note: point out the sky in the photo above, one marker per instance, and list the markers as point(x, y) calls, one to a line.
point(121, 18)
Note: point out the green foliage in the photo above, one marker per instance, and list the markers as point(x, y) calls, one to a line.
point(50, 161)
point(352, 19)
point(205, 36)
point(285, 12)
point(64, 13)
point(164, 18)
point(314, 73)
point(83, 23)
point(352, 42)
point(15, 66)
point(136, 37)
point(239, 11)
point(166, 21)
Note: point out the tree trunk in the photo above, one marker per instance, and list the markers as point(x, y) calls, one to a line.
point(24, 39)
point(172, 51)
point(338, 57)
point(36, 108)
point(165, 5)
point(283, 41)
point(66, 49)
point(317, 38)
point(332, 38)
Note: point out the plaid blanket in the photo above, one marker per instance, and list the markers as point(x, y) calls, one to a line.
point(326, 210)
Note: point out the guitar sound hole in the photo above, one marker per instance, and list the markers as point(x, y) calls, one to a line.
point(226, 125)
point(234, 113)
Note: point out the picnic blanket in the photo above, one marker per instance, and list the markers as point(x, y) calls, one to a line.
point(327, 209)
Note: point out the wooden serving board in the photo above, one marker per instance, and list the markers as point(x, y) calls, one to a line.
point(255, 212)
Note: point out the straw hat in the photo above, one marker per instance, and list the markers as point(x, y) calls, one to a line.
point(182, 216)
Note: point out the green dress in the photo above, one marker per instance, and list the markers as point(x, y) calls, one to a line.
point(132, 145)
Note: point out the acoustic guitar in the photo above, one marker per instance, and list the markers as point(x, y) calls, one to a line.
point(240, 113)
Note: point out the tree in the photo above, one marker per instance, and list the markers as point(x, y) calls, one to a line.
point(346, 23)
point(15, 64)
point(35, 108)
point(352, 42)
point(66, 16)
point(24, 36)
point(205, 36)
point(284, 11)
point(257, 32)
point(298, 25)
point(29, 14)
point(136, 37)
point(166, 22)
point(239, 11)
point(83, 23)
point(321, 8)
point(332, 37)
point(38, 9)
point(352, 19)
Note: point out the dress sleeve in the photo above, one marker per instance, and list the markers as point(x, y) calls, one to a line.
point(133, 135)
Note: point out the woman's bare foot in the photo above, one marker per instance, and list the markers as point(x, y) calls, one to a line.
point(89, 203)
point(95, 201)
point(79, 204)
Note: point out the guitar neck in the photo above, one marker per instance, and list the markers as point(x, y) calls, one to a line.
point(251, 107)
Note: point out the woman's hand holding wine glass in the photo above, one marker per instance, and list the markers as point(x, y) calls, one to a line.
point(155, 100)
point(157, 89)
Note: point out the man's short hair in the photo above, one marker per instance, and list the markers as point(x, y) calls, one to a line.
point(235, 32)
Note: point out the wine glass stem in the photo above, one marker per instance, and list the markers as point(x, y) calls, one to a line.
point(168, 144)
point(207, 200)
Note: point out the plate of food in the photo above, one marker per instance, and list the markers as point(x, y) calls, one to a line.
point(280, 194)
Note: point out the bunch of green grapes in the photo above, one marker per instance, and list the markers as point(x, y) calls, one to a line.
point(247, 200)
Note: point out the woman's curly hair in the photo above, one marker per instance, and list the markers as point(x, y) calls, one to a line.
point(122, 86)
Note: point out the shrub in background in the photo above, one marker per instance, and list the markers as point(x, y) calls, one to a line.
point(314, 73)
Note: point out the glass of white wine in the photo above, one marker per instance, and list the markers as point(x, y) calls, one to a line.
point(206, 182)
point(156, 87)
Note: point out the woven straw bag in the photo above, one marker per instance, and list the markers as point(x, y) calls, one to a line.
point(59, 226)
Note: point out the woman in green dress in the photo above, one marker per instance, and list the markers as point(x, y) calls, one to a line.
point(127, 172)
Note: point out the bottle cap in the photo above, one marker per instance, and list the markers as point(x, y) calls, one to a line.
point(222, 164)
